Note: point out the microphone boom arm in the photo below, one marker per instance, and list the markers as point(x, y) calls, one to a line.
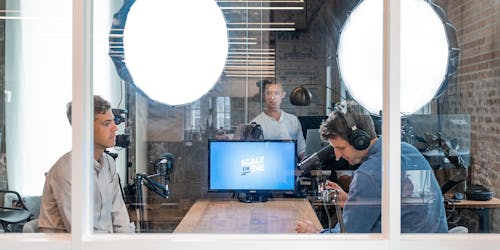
point(453, 157)
point(155, 186)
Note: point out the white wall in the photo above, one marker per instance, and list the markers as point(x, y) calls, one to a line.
point(38, 79)
point(38, 82)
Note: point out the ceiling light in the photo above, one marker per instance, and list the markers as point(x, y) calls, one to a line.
point(261, 8)
point(251, 76)
point(242, 43)
point(258, 23)
point(250, 67)
point(261, 29)
point(268, 54)
point(247, 49)
point(242, 38)
point(249, 57)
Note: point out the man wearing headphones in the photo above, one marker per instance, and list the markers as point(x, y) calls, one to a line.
point(352, 135)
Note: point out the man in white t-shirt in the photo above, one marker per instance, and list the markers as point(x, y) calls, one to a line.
point(277, 124)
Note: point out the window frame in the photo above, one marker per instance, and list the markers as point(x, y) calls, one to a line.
point(223, 117)
point(82, 237)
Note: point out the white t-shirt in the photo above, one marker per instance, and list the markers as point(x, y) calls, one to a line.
point(287, 128)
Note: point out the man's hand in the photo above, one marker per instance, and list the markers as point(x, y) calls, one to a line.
point(302, 156)
point(306, 227)
point(342, 195)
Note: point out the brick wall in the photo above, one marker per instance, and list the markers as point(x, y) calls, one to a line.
point(476, 91)
point(302, 56)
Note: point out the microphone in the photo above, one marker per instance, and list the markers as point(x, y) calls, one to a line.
point(164, 166)
point(323, 155)
point(165, 163)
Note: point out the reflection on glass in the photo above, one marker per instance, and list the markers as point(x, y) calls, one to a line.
point(297, 58)
point(35, 86)
point(454, 131)
point(422, 203)
point(444, 141)
point(225, 113)
point(36, 60)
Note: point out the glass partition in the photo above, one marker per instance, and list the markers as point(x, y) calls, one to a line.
point(267, 43)
point(162, 150)
point(35, 87)
point(453, 131)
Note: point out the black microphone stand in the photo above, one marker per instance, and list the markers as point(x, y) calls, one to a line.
point(332, 195)
point(453, 157)
point(155, 186)
point(159, 188)
point(163, 168)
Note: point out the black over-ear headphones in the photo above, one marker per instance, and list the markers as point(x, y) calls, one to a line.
point(358, 138)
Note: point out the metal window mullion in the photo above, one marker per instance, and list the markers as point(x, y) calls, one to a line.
point(82, 124)
point(391, 124)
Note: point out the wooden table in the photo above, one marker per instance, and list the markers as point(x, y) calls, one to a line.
point(232, 216)
point(482, 208)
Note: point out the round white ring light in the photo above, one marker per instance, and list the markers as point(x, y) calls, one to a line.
point(424, 54)
point(175, 50)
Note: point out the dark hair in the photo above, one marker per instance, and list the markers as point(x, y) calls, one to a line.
point(101, 106)
point(266, 84)
point(262, 83)
point(336, 125)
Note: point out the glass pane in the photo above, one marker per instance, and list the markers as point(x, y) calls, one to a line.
point(35, 135)
point(453, 130)
point(353, 129)
point(423, 39)
point(168, 169)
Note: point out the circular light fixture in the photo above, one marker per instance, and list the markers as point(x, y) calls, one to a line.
point(172, 51)
point(424, 54)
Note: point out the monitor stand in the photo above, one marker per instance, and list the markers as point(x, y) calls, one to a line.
point(252, 197)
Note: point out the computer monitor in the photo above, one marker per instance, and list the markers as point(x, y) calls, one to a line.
point(251, 166)
point(310, 122)
point(314, 142)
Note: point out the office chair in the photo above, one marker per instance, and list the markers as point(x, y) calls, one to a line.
point(12, 215)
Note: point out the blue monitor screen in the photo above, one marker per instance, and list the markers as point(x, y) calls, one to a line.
point(251, 165)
